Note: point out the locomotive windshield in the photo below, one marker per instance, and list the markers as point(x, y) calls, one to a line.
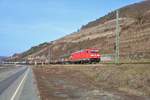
point(94, 51)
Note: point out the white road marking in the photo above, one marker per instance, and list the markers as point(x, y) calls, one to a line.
point(23, 79)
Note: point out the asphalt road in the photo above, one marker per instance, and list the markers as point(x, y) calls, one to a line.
point(8, 81)
point(18, 84)
point(29, 90)
point(5, 68)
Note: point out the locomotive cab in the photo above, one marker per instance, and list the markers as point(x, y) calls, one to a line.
point(85, 56)
point(94, 55)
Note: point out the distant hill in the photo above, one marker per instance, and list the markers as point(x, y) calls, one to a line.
point(2, 58)
point(32, 50)
point(136, 10)
point(135, 36)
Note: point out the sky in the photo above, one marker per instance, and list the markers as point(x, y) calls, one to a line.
point(27, 23)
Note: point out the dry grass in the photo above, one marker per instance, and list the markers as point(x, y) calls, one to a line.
point(131, 78)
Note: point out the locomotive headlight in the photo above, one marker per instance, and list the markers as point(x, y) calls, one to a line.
point(92, 55)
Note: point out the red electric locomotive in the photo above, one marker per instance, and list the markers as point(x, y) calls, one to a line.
point(85, 56)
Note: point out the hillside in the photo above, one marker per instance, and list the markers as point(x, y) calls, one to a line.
point(133, 11)
point(134, 36)
point(2, 58)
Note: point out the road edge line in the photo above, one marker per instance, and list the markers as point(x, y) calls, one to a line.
point(18, 88)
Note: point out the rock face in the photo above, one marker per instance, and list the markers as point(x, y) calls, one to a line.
point(134, 35)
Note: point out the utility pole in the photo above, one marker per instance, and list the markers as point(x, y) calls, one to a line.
point(49, 54)
point(117, 38)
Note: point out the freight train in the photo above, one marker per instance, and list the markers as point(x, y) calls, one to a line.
point(83, 56)
point(86, 56)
